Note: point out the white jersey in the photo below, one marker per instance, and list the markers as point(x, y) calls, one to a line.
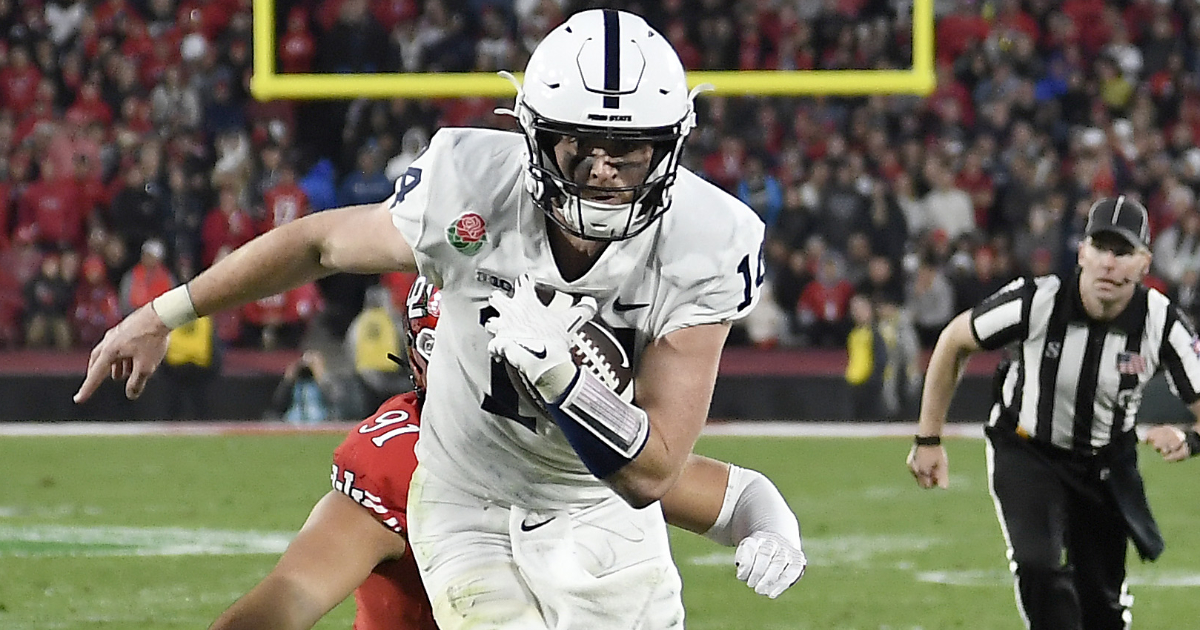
point(464, 209)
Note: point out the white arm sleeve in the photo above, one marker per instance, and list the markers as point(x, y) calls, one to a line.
point(753, 505)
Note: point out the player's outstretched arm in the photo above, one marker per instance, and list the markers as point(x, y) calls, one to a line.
point(928, 463)
point(332, 555)
point(740, 507)
point(357, 239)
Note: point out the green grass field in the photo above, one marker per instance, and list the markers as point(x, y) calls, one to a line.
point(165, 532)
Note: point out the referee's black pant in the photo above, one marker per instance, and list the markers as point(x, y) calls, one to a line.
point(1066, 538)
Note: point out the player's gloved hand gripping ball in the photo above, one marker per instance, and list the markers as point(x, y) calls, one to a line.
point(535, 338)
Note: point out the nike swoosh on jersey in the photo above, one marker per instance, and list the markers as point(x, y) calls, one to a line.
point(623, 308)
point(537, 354)
point(526, 527)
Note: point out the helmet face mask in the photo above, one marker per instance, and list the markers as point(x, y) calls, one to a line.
point(643, 164)
point(604, 84)
point(422, 311)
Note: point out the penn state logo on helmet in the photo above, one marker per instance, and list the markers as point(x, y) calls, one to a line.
point(604, 76)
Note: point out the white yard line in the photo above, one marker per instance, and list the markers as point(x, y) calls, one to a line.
point(70, 540)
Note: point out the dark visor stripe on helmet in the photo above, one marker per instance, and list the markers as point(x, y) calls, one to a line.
point(612, 58)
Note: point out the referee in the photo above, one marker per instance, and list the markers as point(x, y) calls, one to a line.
point(1061, 445)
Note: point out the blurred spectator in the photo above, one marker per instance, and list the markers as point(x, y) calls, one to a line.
point(930, 300)
point(982, 280)
point(858, 257)
point(866, 356)
point(235, 163)
point(222, 112)
point(367, 184)
point(374, 334)
point(761, 191)
point(279, 321)
point(1177, 249)
point(900, 390)
point(47, 307)
point(96, 304)
point(52, 208)
point(319, 186)
point(496, 49)
point(821, 311)
point(147, 279)
point(284, 202)
point(191, 365)
point(19, 80)
point(948, 207)
point(724, 167)
point(355, 43)
point(412, 144)
point(134, 215)
point(184, 216)
point(310, 393)
point(767, 325)
point(843, 210)
point(887, 229)
point(297, 47)
point(174, 105)
point(882, 283)
point(228, 226)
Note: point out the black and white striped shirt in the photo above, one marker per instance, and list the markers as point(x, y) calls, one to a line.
point(1075, 382)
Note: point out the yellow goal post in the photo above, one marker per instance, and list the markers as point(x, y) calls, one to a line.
point(267, 84)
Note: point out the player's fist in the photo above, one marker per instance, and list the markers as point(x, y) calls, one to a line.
point(769, 564)
point(536, 338)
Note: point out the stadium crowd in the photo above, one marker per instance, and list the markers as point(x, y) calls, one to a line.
point(132, 154)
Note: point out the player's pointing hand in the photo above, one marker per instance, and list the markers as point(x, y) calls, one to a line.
point(131, 350)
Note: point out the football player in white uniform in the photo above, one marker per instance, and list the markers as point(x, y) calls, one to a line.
point(526, 514)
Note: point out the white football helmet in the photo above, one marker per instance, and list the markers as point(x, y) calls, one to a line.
point(604, 74)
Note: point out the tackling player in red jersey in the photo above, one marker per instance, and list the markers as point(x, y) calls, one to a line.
point(342, 547)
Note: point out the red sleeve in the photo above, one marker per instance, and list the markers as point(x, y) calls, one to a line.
point(375, 463)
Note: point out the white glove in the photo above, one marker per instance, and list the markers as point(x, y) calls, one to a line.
point(536, 338)
point(768, 564)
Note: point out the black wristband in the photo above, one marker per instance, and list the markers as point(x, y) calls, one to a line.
point(936, 440)
point(1193, 442)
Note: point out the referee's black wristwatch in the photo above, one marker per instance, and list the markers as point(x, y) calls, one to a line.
point(927, 440)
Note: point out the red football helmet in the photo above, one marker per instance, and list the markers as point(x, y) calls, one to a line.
point(421, 314)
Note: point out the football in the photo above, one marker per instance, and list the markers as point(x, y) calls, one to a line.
point(596, 349)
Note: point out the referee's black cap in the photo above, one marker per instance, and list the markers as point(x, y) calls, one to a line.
point(1121, 215)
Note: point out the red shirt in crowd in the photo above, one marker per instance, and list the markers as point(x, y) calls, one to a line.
point(97, 307)
point(53, 208)
point(290, 307)
point(956, 32)
point(222, 229)
point(147, 283)
point(89, 106)
point(284, 203)
point(977, 183)
point(18, 86)
point(826, 302)
point(297, 48)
